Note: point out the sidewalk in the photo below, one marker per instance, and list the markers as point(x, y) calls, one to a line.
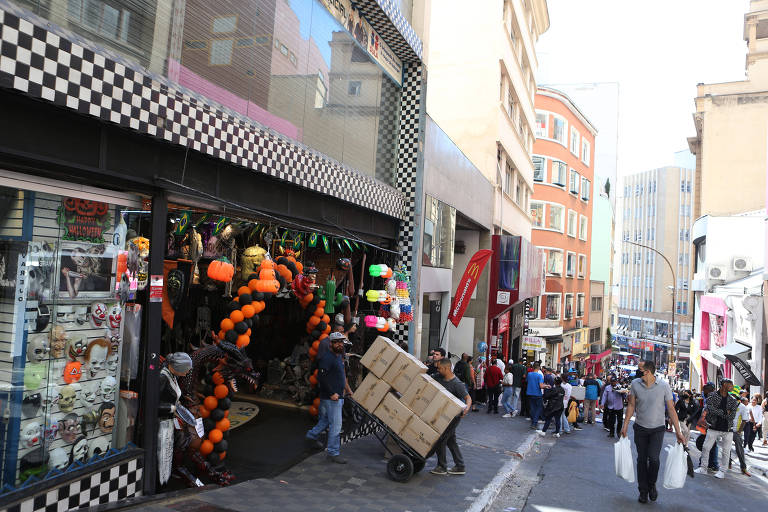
point(490, 445)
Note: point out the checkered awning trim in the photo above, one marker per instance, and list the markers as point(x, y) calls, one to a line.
point(49, 63)
point(385, 17)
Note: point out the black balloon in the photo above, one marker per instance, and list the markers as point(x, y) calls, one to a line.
point(240, 328)
point(253, 275)
point(281, 280)
point(258, 296)
point(245, 299)
point(322, 326)
point(231, 336)
point(233, 306)
point(208, 390)
point(221, 446)
point(225, 404)
point(217, 414)
point(315, 334)
point(315, 300)
point(248, 322)
point(213, 458)
point(209, 424)
point(226, 435)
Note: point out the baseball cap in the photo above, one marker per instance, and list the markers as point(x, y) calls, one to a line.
point(336, 336)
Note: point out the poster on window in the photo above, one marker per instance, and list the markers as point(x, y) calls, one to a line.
point(85, 270)
point(716, 331)
point(9, 262)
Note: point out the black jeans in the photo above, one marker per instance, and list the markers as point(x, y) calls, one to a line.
point(749, 435)
point(613, 417)
point(648, 443)
point(449, 441)
point(493, 398)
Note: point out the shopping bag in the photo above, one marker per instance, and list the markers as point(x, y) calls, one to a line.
point(622, 454)
point(676, 467)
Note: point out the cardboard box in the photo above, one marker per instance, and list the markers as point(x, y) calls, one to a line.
point(420, 393)
point(393, 413)
point(403, 371)
point(419, 436)
point(380, 356)
point(441, 410)
point(371, 392)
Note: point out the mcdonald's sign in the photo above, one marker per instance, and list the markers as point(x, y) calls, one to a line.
point(467, 285)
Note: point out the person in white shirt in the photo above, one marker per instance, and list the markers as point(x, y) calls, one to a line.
point(741, 419)
point(756, 418)
point(565, 426)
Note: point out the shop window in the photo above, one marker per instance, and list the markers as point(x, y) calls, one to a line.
point(537, 214)
point(552, 309)
point(439, 234)
point(107, 18)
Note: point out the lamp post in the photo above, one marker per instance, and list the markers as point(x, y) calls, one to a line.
point(671, 357)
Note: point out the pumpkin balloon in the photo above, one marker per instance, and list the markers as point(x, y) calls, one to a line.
point(210, 402)
point(221, 270)
point(218, 378)
point(223, 424)
point(215, 436)
point(206, 447)
point(221, 391)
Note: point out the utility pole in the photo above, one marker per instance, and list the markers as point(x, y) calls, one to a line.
point(671, 358)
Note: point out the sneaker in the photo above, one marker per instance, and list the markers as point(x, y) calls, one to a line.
point(556, 434)
point(515, 413)
point(577, 428)
point(314, 444)
point(719, 475)
point(541, 433)
point(700, 470)
point(567, 432)
point(338, 459)
point(457, 470)
point(507, 416)
point(643, 498)
point(610, 435)
point(439, 470)
point(653, 493)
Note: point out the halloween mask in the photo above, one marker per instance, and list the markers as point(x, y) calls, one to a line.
point(107, 417)
point(98, 314)
point(80, 450)
point(57, 339)
point(98, 446)
point(108, 385)
point(252, 258)
point(70, 427)
point(34, 373)
point(67, 398)
point(51, 396)
point(78, 390)
point(72, 372)
point(37, 348)
point(30, 406)
point(58, 458)
point(30, 434)
point(75, 347)
point(112, 362)
point(90, 391)
point(115, 316)
point(96, 356)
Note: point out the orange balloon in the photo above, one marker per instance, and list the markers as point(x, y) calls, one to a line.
point(243, 290)
point(218, 378)
point(314, 411)
point(221, 391)
point(327, 330)
point(308, 297)
point(258, 306)
point(267, 264)
point(240, 344)
point(227, 325)
point(319, 312)
point(223, 424)
point(243, 338)
point(226, 413)
point(252, 284)
point(206, 447)
point(313, 380)
point(248, 311)
point(315, 373)
point(322, 337)
point(236, 299)
point(236, 316)
point(248, 332)
point(316, 345)
point(211, 402)
point(316, 402)
point(326, 319)
point(299, 267)
point(312, 352)
point(203, 412)
point(215, 435)
point(222, 455)
point(321, 304)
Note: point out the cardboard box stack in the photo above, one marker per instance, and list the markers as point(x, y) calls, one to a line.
point(425, 408)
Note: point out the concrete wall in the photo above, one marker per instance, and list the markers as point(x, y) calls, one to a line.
point(602, 244)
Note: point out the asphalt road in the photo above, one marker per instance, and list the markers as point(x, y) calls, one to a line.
point(576, 473)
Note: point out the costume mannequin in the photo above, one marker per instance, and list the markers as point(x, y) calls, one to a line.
point(171, 441)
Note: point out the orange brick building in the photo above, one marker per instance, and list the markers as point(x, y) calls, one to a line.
point(561, 210)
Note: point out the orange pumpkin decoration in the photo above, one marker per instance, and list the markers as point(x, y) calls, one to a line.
point(267, 264)
point(283, 271)
point(253, 284)
point(221, 270)
point(211, 402)
point(215, 435)
point(206, 447)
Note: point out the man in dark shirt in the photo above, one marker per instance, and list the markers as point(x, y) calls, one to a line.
point(332, 382)
point(437, 355)
point(461, 370)
point(493, 378)
point(518, 375)
point(457, 388)
point(720, 413)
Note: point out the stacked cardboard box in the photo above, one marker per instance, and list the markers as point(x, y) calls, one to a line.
point(370, 392)
point(380, 356)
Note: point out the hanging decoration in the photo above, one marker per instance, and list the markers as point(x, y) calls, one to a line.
point(331, 298)
point(182, 224)
point(312, 240)
point(219, 226)
point(203, 219)
point(326, 245)
point(221, 270)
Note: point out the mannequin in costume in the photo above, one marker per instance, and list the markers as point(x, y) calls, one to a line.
point(172, 441)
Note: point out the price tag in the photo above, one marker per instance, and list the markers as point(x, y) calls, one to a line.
point(199, 428)
point(156, 288)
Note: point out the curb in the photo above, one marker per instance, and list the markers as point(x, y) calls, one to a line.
point(492, 490)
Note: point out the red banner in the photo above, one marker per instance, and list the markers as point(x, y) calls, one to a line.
point(467, 285)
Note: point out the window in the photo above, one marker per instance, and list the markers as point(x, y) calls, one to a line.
point(570, 264)
point(539, 168)
point(568, 306)
point(573, 182)
point(552, 309)
point(510, 102)
point(533, 312)
point(221, 52)
point(574, 141)
point(558, 132)
point(558, 172)
point(555, 262)
point(585, 149)
point(597, 303)
point(580, 300)
point(582, 265)
point(537, 214)
point(108, 18)
point(320, 91)
point(556, 216)
point(439, 234)
point(196, 45)
point(519, 190)
point(354, 88)
point(508, 180)
point(584, 189)
point(224, 24)
point(572, 223)
point(582, 228)
point(542, 125)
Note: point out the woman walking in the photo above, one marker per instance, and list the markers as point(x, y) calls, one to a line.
point(755, 419)
point(553, 407)
point(508, 392)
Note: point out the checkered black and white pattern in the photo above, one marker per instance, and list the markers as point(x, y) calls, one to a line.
point(49, 63)
point(107, 486)
point(385, 17)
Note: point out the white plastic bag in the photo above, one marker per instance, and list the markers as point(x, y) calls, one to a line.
point(676, 467)
point(625, 466)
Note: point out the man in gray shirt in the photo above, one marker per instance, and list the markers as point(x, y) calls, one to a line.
point(647, 398)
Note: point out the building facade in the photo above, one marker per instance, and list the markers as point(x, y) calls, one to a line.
point(657, 212)
point(561, 212)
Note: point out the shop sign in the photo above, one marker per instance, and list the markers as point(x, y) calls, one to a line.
point(84, 220)
point(156, 288)
point(567, 347)
point(672, 369)
point(502, 298)
point(535, 343)
point(503, 323)
point(351, 19)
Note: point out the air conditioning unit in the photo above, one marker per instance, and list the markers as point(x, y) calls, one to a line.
point(741, 264)
point(716, 272)
point(579, 324)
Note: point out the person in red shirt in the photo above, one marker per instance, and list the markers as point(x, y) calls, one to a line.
point(493, 378)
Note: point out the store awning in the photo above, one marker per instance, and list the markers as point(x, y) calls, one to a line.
point(553, 339)
point(744, 369)
point(600, 356)
point(731, 349)
point(707, 354)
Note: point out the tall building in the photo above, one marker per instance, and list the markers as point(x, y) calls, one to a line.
point(561, 210)
point(657, 212)
point(731, 132)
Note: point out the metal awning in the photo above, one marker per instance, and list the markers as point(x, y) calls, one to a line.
point(731, 349)
point(707, 354)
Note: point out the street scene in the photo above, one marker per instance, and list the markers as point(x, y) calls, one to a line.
point(383, 255)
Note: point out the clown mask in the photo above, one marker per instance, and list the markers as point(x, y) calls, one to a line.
point(90, 391)
point(30, 434)
point(76, 347)
point(37, 348)
point(58, 458)
point(115, 316)
point(108, 385)
point(98, 314)
point(70, 427)
point(107, 417)
point(112, 362)
point(96, 356)
point(80, 449)
point(58, 341)
point(67, 398)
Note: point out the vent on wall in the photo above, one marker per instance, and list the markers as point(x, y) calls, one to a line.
point(716, 272)
point(742, 264)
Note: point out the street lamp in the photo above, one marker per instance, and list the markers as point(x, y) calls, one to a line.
point(671, 357)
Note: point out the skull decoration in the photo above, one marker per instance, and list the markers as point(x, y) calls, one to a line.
point(107, 417)
point(70, 427)
point(37, 348)
point(98, 446)
point(108, 385)
point(80, 450)
point(67, 398)
point(90, 391)
point(98, 314)
point(58, 341)
point(58, 458)
point(112, 362)
point(76, 347)
point(96, 356)
point(30, 434)
point(115, 316)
